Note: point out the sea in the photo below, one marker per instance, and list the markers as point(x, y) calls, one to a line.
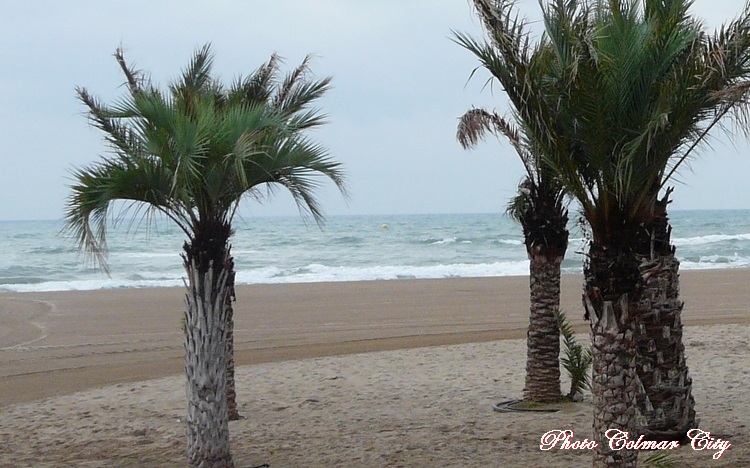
point(37, 256)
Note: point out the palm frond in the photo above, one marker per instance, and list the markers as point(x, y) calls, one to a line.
point(475, 123)
point(662, 460)
point(297, 164)
point(194, 152)
point(259, 86)
point(523, 70)
point(95, 189)
point(577, 360)
point(134, 78)
point(197, 76)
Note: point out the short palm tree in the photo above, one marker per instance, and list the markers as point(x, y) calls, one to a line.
point(193, 154)
point(622, 95)
point(539, 208)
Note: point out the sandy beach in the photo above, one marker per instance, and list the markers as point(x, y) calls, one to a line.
point(382, 373)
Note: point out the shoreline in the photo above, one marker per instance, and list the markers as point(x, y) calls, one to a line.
point(55, 343)
point(7, 293)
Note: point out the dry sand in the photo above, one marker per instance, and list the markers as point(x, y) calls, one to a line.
point(306, 404)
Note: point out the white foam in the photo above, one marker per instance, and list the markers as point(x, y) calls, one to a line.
point(509, 241)
point(321, 273)
point(709, 239)
point(715, 261)
point(175, 255)
point(87, 285)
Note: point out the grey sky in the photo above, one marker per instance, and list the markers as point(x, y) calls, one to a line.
point(400, 84)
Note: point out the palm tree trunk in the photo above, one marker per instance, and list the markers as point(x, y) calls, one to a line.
point(540, 210)
point(543, 336)
point(613, 384)
point(232, 410)
point(610, 299)
point(666, 398)
point(206, 364)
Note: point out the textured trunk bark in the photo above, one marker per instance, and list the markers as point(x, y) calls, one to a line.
point(206, 365)
point(613, 386)
point(232, 410)
point(611, 298)
point(665, 398)
point(544, 221)
point(543, 336)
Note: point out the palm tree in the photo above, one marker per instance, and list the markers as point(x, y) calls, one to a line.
point(622, 96)
point(192, 154)
point(662, 84)
point(721, 64)
point(539, 208)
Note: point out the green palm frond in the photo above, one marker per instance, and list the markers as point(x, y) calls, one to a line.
point(577, 359)
point(615, 96)
point(662, 460)
point(194, 152)
point(196, 79)
point(257, 87)
point(136, 180)
point(296, 165)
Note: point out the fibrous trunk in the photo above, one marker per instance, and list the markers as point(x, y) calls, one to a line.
point(544, 220)
point(666, 399)
point(611, 295)
point(231, 389)
point(543, 336)
point(206, 351)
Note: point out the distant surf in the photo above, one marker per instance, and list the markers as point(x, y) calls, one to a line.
point(349, 248)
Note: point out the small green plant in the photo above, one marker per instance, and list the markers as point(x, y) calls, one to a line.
point(577, 360)
point(661, 460)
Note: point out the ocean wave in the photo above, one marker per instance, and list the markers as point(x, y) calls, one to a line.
point(705, 262)
point(324, 273)
point(175, 254)
point(157, 276)
point(306, 274)
point(87, 285)
point(347, 240)
point(50, 249)
point(245, 252)
point(447, 240)
point(508, 241)
point(709, 239)
point(439, 246)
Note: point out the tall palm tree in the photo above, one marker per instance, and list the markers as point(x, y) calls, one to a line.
point(662, 84)
point(192, 154)
point(721, 64)
point(539, 208)
point(622, 96)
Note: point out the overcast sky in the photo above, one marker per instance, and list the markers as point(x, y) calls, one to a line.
point(400, 84)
